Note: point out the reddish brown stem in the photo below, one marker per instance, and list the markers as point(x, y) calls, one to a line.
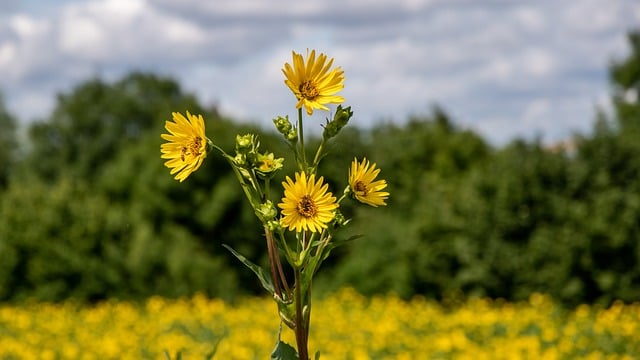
point(272, 261)
point(302, 322)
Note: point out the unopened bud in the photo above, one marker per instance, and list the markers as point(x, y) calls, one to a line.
point(274, 225)
point(266, 211)
point(283, 125)
point(245, 143)
point(339, 220)
point(240, 159)
point(340, 119)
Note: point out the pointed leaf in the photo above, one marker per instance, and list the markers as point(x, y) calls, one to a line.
point(263, 276)
point(284, 351)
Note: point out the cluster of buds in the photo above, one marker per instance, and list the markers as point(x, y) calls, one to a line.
point(248, 158)
point(340, 119)
point(284, 127)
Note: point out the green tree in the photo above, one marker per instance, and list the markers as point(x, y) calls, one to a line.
point(91, 124)
point(96, 214)
point(8, 143)
point(424, 162)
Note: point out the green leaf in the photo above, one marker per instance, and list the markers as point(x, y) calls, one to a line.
point(284, 351)
point(263, 276)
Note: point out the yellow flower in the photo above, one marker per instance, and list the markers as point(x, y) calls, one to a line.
point(268, 164)
point(363, 186)
point(306, 204)
point(187, 144)
point(313, 83)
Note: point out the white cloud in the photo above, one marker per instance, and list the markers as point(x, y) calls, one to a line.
point(502, 68)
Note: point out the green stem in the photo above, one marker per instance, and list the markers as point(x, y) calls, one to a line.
point(256, 184)
point(316, 159)
point(345, 193)
point(303, 156)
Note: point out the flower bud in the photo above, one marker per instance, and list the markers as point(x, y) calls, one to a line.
point(274, 225)
point(283, 125)
point(240, 159)
point(339, 220)
point(340, 119)
point(266, 211)
point(245, 143)
point(292, 136)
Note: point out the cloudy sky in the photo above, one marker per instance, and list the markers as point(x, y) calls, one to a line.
point(502, 68)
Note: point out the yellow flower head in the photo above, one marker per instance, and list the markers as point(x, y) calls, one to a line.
point(268, 164)
point(362, 184)
point(187, 144)
point(313, 83)
point(306, 204)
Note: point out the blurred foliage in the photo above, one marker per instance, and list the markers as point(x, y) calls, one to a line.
point(89, 211)
point(8, 143)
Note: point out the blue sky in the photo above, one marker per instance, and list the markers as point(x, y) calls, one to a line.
point(502, 68)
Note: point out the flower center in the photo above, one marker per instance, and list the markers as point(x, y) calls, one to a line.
point(307, 207)
point(361, 187)
point(191, 149)
point(266, 165)
point(308, 90)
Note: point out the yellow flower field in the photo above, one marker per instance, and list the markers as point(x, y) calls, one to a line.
point(344, 326)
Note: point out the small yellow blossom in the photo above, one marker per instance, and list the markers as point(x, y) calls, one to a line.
point(363, 186)
point(268, 164)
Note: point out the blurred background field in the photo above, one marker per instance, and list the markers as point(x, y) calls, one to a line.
point(91, 223)
point(346, 326)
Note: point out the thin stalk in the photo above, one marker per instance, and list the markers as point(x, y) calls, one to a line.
point(284, 279)
point(302, 322)
point(273, 260)
point(316, 159)
point(303, 155)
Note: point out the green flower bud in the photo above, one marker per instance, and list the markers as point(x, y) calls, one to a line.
point(339, 220)
point(246, 143)
point(266, 211)
point(340, 119)
point(292, 136)
point(274, 225)
point(240, 159)
point(283, 125)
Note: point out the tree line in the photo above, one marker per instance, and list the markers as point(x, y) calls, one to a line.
point(88, 211)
